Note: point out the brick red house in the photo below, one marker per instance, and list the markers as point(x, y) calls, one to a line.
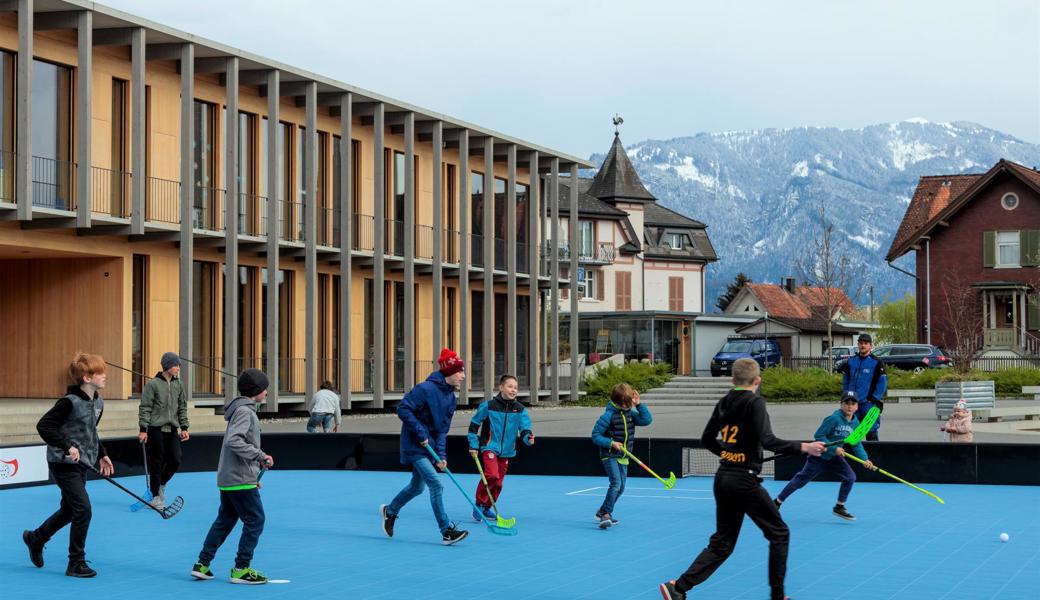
point(977, 243)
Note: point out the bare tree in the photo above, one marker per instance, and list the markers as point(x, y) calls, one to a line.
point(827, 263)
point(962, 334)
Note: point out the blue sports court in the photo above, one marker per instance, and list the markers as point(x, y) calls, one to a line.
point(323, 535)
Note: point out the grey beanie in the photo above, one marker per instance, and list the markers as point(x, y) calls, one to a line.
point(169, 360)
point(252, 382)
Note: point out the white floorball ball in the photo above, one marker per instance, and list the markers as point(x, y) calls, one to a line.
point(1004, 537)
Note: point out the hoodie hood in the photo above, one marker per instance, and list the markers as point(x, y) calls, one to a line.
point(438, 379)
point(236, 403)
point(736, 402)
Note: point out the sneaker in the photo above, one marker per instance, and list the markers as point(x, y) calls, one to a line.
point(490, 514)
point(668, 591)
point(452, 536)
point(201, 571)
point(605, 521)
point(79, 568)
point(477, 518)
point(839, 510)
point(600, 514)
point(247, 576)
point(35, 549)
point(157, 502)
point(388, 520)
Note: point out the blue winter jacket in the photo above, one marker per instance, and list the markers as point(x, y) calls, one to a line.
point(616, 425)
point(496, 426)
point(425, 414)
point(865, 376)
point(835, 428)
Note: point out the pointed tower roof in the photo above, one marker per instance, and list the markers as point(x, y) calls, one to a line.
point(617, 179)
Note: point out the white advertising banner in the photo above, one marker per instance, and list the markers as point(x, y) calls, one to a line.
point(23, 464)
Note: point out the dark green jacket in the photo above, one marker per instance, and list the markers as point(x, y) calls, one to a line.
point(163, 404)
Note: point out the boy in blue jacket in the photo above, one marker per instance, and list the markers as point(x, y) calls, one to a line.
point(425, 414)
point(616, 429)
point(493, 432)
point(835, 427)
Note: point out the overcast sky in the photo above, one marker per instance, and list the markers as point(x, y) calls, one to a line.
point(554, 73)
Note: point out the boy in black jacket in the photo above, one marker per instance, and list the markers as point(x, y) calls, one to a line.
point(70, 430)
point(741, 424)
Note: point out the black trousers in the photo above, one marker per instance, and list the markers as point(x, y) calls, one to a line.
point(74, 508)
point(739, 493)
point(164, 457)
point(872, 436)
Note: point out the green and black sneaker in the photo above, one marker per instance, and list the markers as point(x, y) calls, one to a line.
point(247, 576)
point(201, 571)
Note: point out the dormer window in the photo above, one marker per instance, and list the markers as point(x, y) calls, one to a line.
point(674, 240)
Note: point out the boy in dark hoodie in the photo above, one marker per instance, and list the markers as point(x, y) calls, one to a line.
point(493, 432)
point(737, 431)
point(238, 477)
point(616, 429)
point(835, 427)
point(70, 430)
point(425, 414)
point(163, 409)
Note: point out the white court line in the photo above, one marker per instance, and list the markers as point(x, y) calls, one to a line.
point(575, 493)
point(644, 489)
point(662, 497)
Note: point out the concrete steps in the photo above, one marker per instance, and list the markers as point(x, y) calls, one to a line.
point(18, 419)
point(689, 391)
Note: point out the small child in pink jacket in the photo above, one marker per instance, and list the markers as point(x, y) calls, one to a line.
point(959, 424)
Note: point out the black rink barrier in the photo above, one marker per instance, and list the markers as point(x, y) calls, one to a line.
point(990, 464)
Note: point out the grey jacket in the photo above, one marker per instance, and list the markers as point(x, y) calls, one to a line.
point(240, 452)
point(73, 421)
point(163, 404)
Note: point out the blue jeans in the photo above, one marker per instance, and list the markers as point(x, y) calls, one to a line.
point(812, 469)
point(423, 474)
point(617, 473)
point(244, 505)
point(326, 420)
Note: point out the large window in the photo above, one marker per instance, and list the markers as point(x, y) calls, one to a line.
point(1008, 249)
point(116, 183)
point(204, 155)
point(140, 300)
point(450, 316)
point(323, 207)
point(476, 188)
point(7, 127)
point(590, 290)
point(285, 193)
point(586, 237)
point(52, 135)
point(301, 177)
point(396, 233)
point(249, 216)
point(204, 333)
point(501, 219)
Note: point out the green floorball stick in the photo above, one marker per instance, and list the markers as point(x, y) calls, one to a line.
point(499, 519)
point(887, 474)
point(668, 483)
point(493, 528)
point(853, 438)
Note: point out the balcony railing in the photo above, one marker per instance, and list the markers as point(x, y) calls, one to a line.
point(53, 183)
point(328, 227)
point(394, 238)
point(500, 254)
point(364, 232)
point(110, 192)
point(476, 253)
point(205, 374)
point(289, 221)
point(423, 369)
point(252, 215)
point(209, 208)
point(163, 200)
point(361, 371)
point(394, 374)
point(450, 245)
point(1006, 337)
point(424, 242)
point(521, 258)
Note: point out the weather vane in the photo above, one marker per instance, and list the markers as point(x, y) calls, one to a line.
point(617, 122)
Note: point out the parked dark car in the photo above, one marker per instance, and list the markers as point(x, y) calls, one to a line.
point(909, 357)
point(765, 352)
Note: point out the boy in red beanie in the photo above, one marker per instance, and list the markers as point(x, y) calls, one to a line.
point(425, 414)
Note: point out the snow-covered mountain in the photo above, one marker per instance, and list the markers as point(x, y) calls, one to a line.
point(758, 191)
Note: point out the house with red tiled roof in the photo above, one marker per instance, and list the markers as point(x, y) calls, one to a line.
point(796, 316)
point(978, 234)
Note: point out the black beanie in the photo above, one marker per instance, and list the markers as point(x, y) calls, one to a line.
point(252, 382)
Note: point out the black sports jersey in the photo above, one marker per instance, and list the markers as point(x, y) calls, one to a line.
point(738, 430)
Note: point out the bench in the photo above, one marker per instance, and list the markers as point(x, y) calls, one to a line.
point(994, 415)
point(908, 396)
point(1032, 389)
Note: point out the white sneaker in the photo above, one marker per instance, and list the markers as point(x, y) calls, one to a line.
point(157, 503)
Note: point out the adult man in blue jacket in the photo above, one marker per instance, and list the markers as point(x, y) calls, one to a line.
point(425, 414)
point(864, 374)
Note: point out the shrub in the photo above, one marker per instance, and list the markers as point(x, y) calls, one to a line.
point(640, 375)
point(907, 380)
point(784, 385)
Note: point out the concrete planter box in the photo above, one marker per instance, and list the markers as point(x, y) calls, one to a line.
point(976, 394)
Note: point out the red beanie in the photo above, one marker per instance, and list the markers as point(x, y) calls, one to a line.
point(450, 363)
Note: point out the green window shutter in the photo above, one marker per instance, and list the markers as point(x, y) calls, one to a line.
point(1030, 247)
point(1033, 313)
point(989, 248)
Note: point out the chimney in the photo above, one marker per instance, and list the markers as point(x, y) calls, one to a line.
point(789, 284)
